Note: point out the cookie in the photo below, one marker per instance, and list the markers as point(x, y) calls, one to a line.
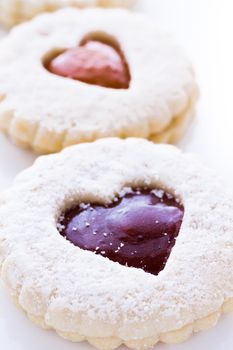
point(77, 76)
point(16, 11)
point(119, 242)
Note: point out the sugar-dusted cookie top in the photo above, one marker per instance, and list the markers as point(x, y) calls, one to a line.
point(16, 11)
point(74, 246)
point(79, 75)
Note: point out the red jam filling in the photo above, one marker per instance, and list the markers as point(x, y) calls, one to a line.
point(138, 229)
point(94, 63)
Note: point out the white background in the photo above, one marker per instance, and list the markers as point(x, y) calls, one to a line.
point(205, 29)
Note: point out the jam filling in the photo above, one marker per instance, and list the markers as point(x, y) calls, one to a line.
point(93, 62)
point(138, 230)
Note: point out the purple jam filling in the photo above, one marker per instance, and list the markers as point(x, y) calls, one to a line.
point(139, 229)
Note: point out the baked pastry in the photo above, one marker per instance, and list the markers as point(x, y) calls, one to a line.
point(16, 11)
point(69, 219)
point(82, 76)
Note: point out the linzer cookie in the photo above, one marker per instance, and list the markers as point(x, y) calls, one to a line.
point(16, 11)
point(119, 242)
point(79, 75)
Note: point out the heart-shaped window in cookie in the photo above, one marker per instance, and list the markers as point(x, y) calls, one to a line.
point(97, 60)
point(138, 229)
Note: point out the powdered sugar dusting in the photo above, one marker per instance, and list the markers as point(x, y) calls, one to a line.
point(49, 127)
point(76, 291)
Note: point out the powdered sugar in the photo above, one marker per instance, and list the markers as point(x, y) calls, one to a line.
point(78, 292)
point(161, 95)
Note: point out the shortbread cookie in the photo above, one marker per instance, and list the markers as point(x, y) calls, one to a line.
point(76, 76)
point(16, 11)
point(119, 242)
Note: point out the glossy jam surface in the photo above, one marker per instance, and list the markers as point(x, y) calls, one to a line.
point(94, 63)
point(138, 229)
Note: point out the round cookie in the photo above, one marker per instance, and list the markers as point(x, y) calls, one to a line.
point(13, 12)
point(47, 103)
point(84, 295)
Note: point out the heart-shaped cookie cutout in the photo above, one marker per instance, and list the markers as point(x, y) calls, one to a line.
point(93, 62)
point(139, 229)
